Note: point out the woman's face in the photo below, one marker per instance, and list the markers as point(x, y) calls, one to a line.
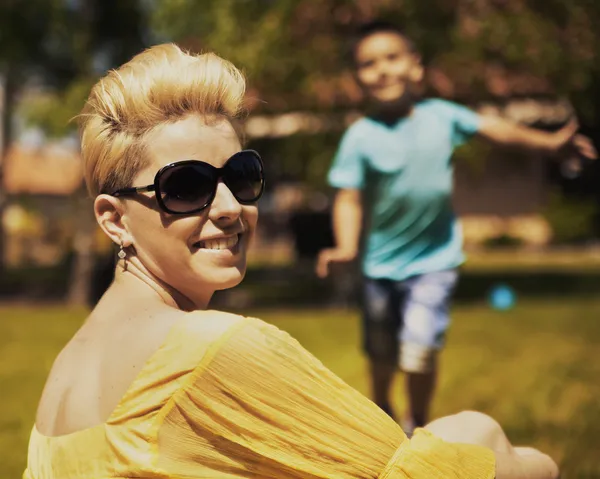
point(199, 253)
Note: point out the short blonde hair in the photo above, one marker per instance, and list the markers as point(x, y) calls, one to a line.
point(160, 85)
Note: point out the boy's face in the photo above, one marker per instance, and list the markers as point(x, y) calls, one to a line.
point(386, 67)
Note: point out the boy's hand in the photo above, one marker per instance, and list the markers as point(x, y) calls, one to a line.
point(567, 143)
point(332, 255)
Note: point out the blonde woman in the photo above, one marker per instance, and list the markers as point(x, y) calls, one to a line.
point(154, 385)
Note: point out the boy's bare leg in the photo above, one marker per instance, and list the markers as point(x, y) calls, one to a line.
point(382, 377)
point(420, 388)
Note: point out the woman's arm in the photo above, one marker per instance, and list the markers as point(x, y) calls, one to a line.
point(260, 405)
point(472, 427)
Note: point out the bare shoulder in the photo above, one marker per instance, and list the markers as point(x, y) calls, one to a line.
point(219, 327)
point(209, 324)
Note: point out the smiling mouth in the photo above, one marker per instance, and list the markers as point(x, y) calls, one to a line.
point(218, 244)
point(389, 86)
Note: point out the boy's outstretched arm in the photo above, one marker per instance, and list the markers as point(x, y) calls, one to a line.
point(565, 141)
point(347, 224)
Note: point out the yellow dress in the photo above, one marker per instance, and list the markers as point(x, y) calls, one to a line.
point(234, 397)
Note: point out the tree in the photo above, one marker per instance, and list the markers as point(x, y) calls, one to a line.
point(23, 27)
point(64, 45)
point(294, 51)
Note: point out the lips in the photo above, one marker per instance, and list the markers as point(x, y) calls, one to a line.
point(389, 86)
point(218, 244)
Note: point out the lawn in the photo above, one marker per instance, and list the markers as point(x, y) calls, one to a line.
point(536, 369)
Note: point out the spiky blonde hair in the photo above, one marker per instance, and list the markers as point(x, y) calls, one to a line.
point(160, 85)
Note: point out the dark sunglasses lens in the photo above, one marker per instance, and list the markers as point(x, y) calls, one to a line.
point(244, 176)
point(185, 188)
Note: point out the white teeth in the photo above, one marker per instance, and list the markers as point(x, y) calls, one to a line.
point(220, 243)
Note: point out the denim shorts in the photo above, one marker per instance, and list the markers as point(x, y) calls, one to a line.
point(406, 321)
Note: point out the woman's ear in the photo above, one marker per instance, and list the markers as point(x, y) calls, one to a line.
point(109, 215)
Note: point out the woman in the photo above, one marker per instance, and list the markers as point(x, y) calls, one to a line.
point(154, 385)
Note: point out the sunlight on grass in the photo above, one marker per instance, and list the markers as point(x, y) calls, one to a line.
point(535, 369)
point(581, 261)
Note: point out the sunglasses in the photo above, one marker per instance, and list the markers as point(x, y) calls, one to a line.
point(189, 186)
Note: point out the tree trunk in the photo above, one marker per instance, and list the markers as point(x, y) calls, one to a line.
point(82, 269)
point(7, 100)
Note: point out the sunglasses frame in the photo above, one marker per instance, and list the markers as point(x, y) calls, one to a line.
point(219, 176)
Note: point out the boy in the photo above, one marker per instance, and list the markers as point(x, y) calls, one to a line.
point(394, 176)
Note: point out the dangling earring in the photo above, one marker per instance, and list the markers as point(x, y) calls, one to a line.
point(121, 254)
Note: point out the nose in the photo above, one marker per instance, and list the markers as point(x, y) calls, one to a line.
point(224, 208)
point(383, 70)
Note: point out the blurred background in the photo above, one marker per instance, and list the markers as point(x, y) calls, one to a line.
point(531, 226)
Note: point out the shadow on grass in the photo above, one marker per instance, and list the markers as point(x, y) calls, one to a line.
point(266, 288)
point(297, 286)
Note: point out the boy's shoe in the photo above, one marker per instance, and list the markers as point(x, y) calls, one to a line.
point(408, 426)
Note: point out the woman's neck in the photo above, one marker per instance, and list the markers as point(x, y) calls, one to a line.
point(132, 275)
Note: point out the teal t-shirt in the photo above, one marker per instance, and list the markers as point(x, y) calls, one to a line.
point(405, 172)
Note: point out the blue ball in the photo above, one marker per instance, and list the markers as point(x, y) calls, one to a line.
point(502, 297)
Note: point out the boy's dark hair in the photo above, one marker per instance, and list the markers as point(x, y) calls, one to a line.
point(377, 26)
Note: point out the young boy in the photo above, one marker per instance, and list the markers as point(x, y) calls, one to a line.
point(394, 176)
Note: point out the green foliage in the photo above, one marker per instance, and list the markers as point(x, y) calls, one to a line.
point(54, 111)
point(571, 219)
point(474, 153)
point(24, 27)
point(250, 34)
point(244, 31)
point(294, 50)
point(65, 46)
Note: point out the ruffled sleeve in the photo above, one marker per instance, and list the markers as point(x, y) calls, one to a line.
point(260, 406)
point(426, 456)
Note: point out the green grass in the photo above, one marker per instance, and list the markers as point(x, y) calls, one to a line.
point(581, 261)
point(536, 369)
